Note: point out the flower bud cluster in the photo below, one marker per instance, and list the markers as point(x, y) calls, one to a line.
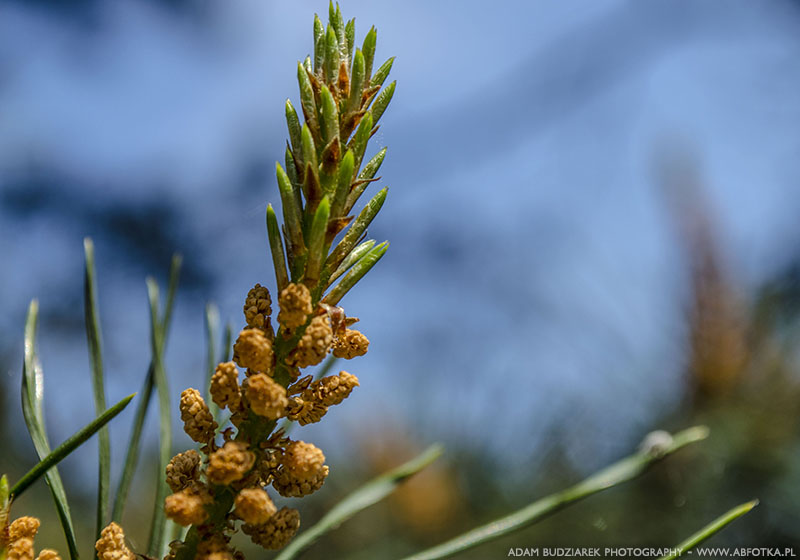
point(17, 540)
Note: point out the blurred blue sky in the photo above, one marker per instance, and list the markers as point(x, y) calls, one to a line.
point(534, 287)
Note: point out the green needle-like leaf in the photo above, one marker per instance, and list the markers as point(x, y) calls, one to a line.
point(307, 102)
point(341, 34)
point(291, 214)
point(309, 150)
point(382, 73)
point(308, 65)
point(132, 455)
point(319, 44)
point(69, 445)
point(32, 395)
point(356, 273)
point(368, 48)
point(350, 37)
point(353, 235)
point(372, 166)
point(343, 184)
point(331, 55)
point(330, 115)
point(381, 102)
point(359, 141)
point(291, 172)
point(276, 248)
point(357, 76)
point(293, 124)
point(316, 242)
point(711, 529)
point(351, 259)
point(364, 179)
point(92, 320)
point(371, 493)
point(619, 472)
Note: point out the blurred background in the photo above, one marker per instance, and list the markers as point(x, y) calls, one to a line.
point(593, 222)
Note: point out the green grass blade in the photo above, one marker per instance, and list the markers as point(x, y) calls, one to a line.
point(92, 319)
point(132, 455)
point(711, 529)
point(32, 395)
point(69, 445)
point(619, 472)
point(158, 524)
point(212, 328)
point(369, 494)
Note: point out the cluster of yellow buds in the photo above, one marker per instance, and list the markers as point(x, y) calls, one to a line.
point(241, 467)
point(318, 255)
point(16, 541)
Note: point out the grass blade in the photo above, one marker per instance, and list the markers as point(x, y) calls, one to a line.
point(69, 445)
point(619, 472)
point(132, 456)
point(371, 493)
point(32, 395)
point(158, 524)
point(711, 529)
point(92, 319)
